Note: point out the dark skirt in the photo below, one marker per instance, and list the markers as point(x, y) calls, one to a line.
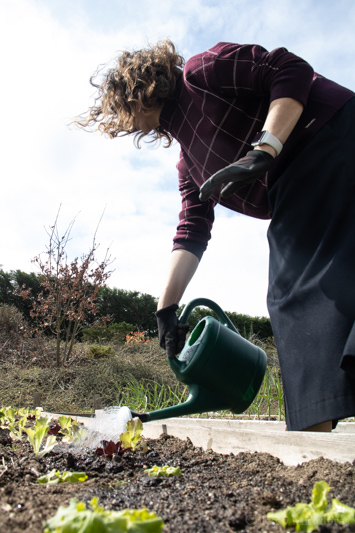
point(311, 297)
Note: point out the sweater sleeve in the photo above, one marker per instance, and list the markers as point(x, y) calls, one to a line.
point(237, 70)
point(195, 219)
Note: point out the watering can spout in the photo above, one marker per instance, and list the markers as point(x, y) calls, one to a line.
point(198, 401)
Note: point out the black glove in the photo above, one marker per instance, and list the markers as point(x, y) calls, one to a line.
point(243, 172)
point(172, 333)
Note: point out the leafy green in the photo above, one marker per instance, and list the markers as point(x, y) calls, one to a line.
point(76, 518)
point(70, 428)
point(341, 513)
point(37, 435)
point(132, 438)
point(319, 500)
point(16, 429)
point(7, 416)
point(54, 476)
point(163, 471)
point(307, 517)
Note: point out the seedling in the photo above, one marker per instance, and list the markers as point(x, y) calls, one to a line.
point(54, 477)
point(110, 448)
point(17, 429)
point(132, 438)
point(76, 517)
point(7, 416)
point(308, 516)
point(163, 471)
point(13, 420)
point(70, 429)
point(37, 435)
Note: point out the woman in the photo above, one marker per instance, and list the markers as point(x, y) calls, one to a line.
point(263, 135)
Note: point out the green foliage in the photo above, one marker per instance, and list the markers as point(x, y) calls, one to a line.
point(127, 309)
point(131, 307)
point(15, 420)
point(245, 324)
point(13, 280)
point(112, 333)
point(37, 435)
point(163, 471)
point(7, 416)
point(309, 516)
point(148, 395)
point(71, 429)
point(55, 476)
point(270, 398)
point(132, 438)
point(98, 351)
point(76, 518)
point(16, 430)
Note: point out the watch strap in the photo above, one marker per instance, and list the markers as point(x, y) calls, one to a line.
point(265, 137)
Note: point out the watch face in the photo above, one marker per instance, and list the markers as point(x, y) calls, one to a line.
point(258, 137)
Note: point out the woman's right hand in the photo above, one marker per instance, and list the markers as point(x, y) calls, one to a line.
point(172, 334)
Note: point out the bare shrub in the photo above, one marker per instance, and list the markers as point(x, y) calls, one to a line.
point(69, 291)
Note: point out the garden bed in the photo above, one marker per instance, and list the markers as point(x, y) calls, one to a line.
point(215, 493)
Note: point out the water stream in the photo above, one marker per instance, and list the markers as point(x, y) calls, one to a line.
point(107, 425)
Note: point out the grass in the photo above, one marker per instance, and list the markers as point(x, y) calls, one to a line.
point(148, 395)
point(269, 401)
point(135, 375)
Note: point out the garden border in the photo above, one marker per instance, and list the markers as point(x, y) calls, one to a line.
point(234, 436)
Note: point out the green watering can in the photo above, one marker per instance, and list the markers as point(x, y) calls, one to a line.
point(221, 368)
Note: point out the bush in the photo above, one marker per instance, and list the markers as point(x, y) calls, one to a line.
point(112, 333)
point(245, 324)
point(12, 322)
point(98, 352)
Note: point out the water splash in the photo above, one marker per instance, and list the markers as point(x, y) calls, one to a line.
point(108, 424)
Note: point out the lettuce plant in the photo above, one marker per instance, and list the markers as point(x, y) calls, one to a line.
point(16, 429)
point(7, 416)
point(163, 471)
point(132, 438)
point(70, 428)
point(54, 477)
point(76, 518)
point(37, 435)
point(308, 516)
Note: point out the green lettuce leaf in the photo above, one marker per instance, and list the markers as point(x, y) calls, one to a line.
point(163, 471)
point(76, 518)
point(49, 445)
point(132, 438)
point(308, 516)
point(319, 499)
point(54, 476)
point(341, 513)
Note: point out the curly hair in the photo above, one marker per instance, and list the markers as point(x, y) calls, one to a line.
point(143, 79)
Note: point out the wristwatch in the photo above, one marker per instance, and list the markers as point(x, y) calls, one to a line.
point(265, 137)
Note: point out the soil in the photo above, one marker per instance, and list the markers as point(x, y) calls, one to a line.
point(216, 493)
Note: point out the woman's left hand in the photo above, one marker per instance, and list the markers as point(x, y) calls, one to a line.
point(243, 172)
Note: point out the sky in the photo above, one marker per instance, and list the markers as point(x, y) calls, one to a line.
point(50, 48)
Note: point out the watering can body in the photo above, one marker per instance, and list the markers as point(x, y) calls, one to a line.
point(223, 370)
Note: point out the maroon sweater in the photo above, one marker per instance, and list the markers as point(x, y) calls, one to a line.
point(221, 102)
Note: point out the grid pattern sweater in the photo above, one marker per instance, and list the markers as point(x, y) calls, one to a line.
point(221, 102)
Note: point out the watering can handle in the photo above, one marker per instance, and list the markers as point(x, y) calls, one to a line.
point(222, 317)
